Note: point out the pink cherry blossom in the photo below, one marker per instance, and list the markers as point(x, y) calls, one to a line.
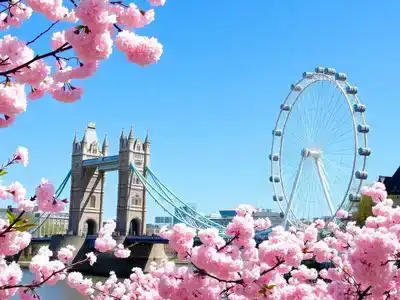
point(96, 14)
point(58, 39)
point(68, 73)
point(12, 98)
point(157, 2)
point(46, 200)
point(377, 191)
point(122, 252)
point(18, 13)
point(92, 258)
point(138, 49)
point(90, 46)
point(132, 16)
point(21, 156)
point(66, 254)
point(342, 214)
point(34, 74)
point(66, 95)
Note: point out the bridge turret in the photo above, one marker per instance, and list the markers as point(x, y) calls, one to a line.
point(76, 146)
point(90, 142)
point(122, 140)
point(131, 139)
point(104, 148)
point(146, 148)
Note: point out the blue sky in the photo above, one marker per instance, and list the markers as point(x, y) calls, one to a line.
point(211, 102)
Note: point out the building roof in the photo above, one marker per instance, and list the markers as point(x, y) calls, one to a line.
point(227, 213)
point(392, 184)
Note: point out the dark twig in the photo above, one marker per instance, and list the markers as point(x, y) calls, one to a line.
point(37, 57)
point(10, 6)
point(12, 224)
point(44, 32)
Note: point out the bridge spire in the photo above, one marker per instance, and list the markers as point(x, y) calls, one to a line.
point(131, 134)
point(75, 143)
point(84, 139)
point(122, 139)
point(104, 148)
point(147, 139)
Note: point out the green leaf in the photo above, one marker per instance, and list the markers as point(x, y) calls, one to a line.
point(24, 227)
point(21, 221)
point(3, 172)
point(10, 216)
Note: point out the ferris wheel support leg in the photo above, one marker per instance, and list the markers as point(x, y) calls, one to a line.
point(295, 184)
point(324, 183)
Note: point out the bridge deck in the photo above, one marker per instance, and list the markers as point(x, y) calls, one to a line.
point(106, 163)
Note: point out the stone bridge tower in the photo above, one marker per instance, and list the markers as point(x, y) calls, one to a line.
point(89, 165)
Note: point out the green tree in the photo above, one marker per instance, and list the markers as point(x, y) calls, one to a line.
point(364, 210)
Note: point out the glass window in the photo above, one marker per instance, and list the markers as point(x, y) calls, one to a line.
point(92, 201)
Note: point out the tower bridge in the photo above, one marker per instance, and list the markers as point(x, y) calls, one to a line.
point(89, 166)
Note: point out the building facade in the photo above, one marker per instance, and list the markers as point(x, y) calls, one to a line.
point(224, 217)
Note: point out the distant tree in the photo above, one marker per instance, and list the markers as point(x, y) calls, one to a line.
point(364, 210)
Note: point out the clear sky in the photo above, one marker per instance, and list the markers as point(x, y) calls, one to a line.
point(211, 102)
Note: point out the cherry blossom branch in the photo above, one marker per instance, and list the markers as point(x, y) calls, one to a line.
point(44, 32)
point(228, 243)
point(365, 293)
point(4, 10)
point(12, 224)
point(38, 284)
point(62, 48)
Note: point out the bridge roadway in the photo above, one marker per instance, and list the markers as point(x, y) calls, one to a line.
point(259, 237)
point(129, 239)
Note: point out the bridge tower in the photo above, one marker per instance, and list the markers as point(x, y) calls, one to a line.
point(89, 165)
point(131, 209)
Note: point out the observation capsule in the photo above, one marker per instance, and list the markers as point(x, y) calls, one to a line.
point(359, 108)
point(285, 107)
point(364, 151)
point(330, 71)
point(296, 87)
point(362, 175)
point(308, 75)
point(274, 157)
point(355, 197)
point(277, 198)
point(319, 70)
point(275, 179)
point(277, 132)
point(341, 76)
point(352, 90)
point(363, 128)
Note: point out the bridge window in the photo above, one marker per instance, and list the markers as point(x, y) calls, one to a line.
point(136, 200)
point(92, 201)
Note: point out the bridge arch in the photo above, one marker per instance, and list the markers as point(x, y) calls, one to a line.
point(135, 227)
point(89, 227)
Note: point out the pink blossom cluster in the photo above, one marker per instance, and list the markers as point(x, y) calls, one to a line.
point(12, 241)
point(45, 269)
point(363, 262)
point(28, 75)
point(46, 200)
point(105, 242)
point(15, 16)
point(10, 275)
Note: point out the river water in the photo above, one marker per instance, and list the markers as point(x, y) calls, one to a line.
point(60, 291)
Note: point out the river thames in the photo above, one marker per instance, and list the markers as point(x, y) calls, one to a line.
point(60, 291)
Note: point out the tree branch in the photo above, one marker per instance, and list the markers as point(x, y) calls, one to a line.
point(37, 57)
point(44, 32)
point(10, 6)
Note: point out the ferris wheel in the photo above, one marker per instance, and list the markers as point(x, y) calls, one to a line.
point(319, 148)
